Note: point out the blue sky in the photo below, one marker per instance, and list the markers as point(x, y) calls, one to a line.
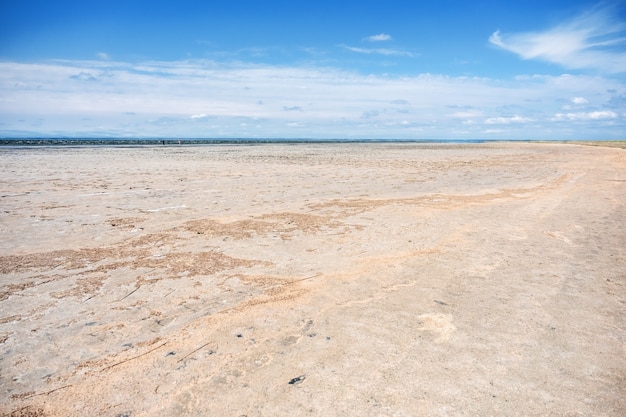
point(324, 69)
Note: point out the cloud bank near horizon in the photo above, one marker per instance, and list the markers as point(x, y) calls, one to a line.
point(209, 99)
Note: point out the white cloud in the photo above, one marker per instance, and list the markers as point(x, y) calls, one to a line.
point(594, 115)
point(506, 120)
point(593, 40)
point(579, 100)
point(467, 114)
point(379, 38)
point(165, 97)
point(380, 51)
point(103, 56)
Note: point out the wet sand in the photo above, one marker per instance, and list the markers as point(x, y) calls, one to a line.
point(313, 279)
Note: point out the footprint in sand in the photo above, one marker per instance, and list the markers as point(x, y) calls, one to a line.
point(557, 235)
point(439, 324)
point(518, 234)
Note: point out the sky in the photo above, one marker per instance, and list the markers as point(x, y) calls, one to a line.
point(482, 69)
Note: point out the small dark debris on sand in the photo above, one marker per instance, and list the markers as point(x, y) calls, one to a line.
point(297, 380)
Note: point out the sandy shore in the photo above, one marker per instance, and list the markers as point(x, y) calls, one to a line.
point(313, 279)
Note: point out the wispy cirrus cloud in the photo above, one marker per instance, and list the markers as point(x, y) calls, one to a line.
point(380, 51)
point(593, 40)
point(381, 37)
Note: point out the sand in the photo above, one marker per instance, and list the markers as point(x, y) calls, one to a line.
point(313, 279)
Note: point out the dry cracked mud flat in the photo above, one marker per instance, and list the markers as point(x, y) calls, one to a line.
point(313, 279)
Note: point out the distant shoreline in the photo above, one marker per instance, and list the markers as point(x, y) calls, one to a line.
point(213, 141)
point(70, 142)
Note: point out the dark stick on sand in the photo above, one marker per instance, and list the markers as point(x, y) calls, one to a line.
point(134, 357)
point(194, 351)
point(130, 293)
